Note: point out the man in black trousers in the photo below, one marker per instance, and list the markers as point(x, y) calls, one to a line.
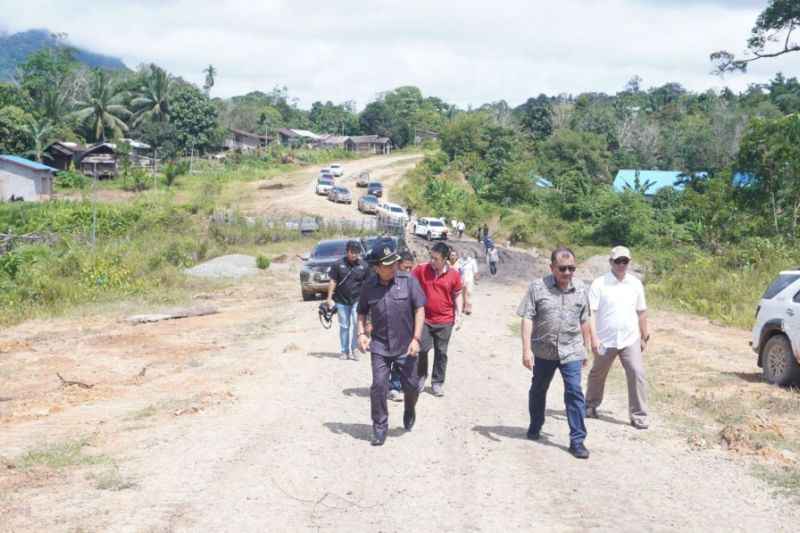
point(396, 304)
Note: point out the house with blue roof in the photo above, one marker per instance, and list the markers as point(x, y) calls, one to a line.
point(651, 180)
point(23, 179)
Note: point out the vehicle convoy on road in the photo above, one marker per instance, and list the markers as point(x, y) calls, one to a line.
point(368, 204)
point(430, 228)
point(340, 195)
point(776, 334)
point(363, 179)
point(375, 188)
point(392, 215)
point(324, 185)
point(314, 276)
point(336, 169)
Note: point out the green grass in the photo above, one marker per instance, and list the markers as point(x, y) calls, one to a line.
point(111, 479)
point(60, 455)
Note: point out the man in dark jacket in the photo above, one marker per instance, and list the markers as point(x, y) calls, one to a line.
point(346, 278)
point(396, 304)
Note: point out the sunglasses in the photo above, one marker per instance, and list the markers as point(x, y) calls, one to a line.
point(622, 261)
point(571, 268)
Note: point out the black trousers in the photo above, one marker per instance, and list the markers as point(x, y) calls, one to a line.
point(380, 386)
point(436, 336)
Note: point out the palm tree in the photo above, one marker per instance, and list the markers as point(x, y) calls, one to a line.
point(211, 73)
point(153, 100)
point(102, 109)
point(40, 131)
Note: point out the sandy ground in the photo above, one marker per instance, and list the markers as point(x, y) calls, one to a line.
point(248, 421)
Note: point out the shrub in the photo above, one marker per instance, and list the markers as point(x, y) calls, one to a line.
point(69, 179)
point(263, 262)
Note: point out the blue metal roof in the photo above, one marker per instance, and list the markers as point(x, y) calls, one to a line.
point(659, 178)
point(27, 163)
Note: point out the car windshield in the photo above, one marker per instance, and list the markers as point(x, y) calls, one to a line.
point(783, 281)
point(341, 189)
point(370, 200)
point(396, 209)
point(374, 185)
point(325, 181)
point(435, 223)
point(330, 249)
point(335, 166)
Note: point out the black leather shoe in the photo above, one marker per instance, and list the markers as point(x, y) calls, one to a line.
point(378, 438)
point(532, 435)
point(409, 417)
point(579, 451)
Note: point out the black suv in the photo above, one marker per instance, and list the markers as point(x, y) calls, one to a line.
point(375, 188)
point(314, 274)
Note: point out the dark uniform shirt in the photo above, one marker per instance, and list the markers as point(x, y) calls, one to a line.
point(349, 279)
point(392, 308)
point(557, 316)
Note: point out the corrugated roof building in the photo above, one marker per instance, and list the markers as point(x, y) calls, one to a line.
point(23, 179)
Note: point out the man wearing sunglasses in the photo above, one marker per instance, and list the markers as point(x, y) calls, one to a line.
point(555, 332)
point(619, 316)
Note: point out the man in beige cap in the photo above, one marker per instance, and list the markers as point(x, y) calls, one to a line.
point(619, 327)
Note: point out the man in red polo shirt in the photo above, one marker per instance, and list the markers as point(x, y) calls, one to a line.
point(442, 287)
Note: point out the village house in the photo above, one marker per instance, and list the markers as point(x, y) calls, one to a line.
point(425, 135)
point(99, 161)
point(244, 141)
point(23, 179)
point(369, 144)
point(295, 138)
point(332, 141)
point(63, 154)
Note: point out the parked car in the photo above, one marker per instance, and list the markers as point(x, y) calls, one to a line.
point(430, 228)
point(314, 275)
point(375, 188)
point(776, 334)
point(324, 185)
point(368, 204)
point(341, 195)
point(304, 225)
point(336, 169)
point(392, 214)
point(363, 179)
point(326, 173)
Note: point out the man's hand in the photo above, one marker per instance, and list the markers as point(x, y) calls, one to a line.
point(468, 308)
point(413, 348)
point(363, 343)
point(527, 360)
point(329, 303)
point(585, 362)
point(643, 344)
point(596, 348)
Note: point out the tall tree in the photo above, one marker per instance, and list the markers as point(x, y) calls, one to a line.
point(211, 74)
point(774, 25)
point(153, 100)
point(102, 109)
point(41, 132)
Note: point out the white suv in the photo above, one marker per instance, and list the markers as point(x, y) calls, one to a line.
point(336, 169)
point(430, 228)
point(392, 214)
point(776, 334)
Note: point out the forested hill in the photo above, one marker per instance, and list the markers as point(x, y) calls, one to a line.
point(15, 49)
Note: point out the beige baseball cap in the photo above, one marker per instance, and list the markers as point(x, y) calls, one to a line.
point(620, 251)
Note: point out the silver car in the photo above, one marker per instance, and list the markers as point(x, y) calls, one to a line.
point(776, 334)
point(340, 195)
point(368, 204)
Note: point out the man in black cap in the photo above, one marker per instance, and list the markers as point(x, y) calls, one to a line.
point(396, 304)
point(347, 276)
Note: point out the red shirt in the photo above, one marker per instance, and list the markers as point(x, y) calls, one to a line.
point(440, 292)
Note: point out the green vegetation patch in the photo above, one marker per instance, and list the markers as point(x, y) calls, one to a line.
point(60, 455)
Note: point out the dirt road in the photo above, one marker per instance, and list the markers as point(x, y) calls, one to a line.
point(248, 421)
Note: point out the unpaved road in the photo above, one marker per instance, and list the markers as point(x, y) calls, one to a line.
point(248, 421)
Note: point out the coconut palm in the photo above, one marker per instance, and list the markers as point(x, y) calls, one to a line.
point(102, 110)
point(41, 131)
point(210, 73)
point(153, 100)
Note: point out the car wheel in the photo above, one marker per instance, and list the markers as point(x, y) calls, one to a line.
point(779, 363)
point(306, 296)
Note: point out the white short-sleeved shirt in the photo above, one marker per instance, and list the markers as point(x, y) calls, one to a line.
point(615, 304)
point(467, 267)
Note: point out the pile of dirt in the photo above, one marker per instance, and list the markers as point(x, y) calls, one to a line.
point(233, 266)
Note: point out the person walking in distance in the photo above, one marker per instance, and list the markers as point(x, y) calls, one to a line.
point(443, 291)
point(492, 257)
point(395, 383)
point(619, 328)
point(396, 304)
point(555, 331)
point(344, 288)
point(468, 269)
point(461, 227)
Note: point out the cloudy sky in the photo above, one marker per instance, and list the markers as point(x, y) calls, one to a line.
point(468, 52)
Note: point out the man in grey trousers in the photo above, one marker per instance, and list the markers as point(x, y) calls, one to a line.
point(396, 304)
point(619, 327)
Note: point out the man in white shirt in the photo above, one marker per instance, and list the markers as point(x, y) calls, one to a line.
point(619, 327)
point(468, 268)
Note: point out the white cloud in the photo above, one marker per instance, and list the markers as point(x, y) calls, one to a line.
point(467, 52)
